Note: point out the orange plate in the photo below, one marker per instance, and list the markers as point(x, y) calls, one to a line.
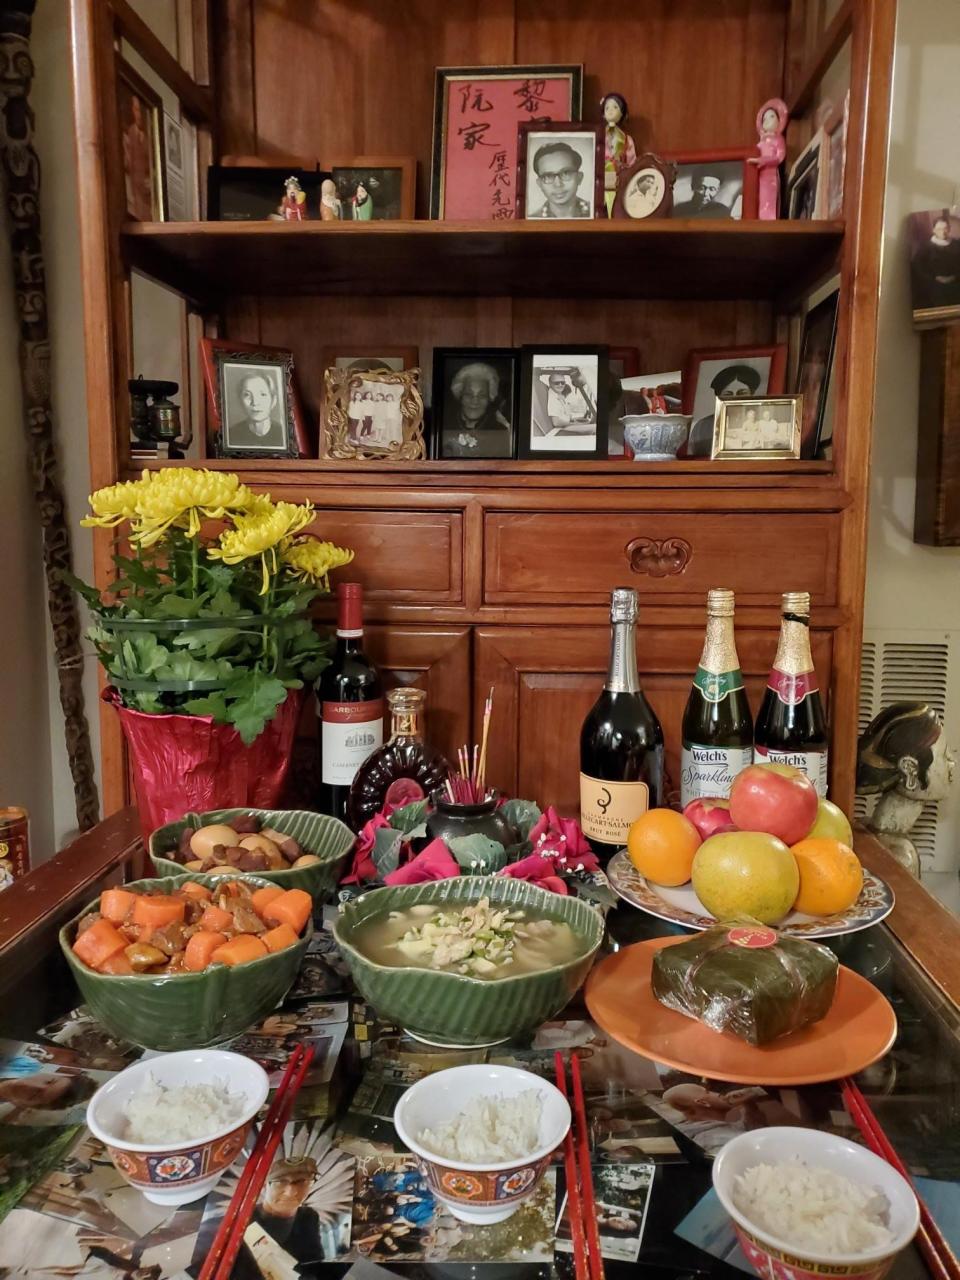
point(860, 1028)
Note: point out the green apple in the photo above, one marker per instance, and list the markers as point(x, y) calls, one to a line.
point(833, 822)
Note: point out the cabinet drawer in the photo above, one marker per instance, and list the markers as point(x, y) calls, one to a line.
point(579, 557)
point(410, 556)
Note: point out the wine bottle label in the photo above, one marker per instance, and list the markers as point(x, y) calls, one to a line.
point(717, 685)
point(608, 809)
point(709, 771)
point(793, 688)
point(813, 763)
point(349, 733)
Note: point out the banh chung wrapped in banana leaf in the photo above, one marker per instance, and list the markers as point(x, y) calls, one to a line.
point(748, 980)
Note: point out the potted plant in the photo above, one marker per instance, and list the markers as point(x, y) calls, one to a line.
point(205, 635)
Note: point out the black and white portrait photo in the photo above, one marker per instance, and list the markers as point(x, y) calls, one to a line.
point(565, 398)
point(935, 265)
point(643, 193)
point(709, 189)
point(732, 375)
point(758, 428)
point(368, 194)
point(373, 414)
point(254, 413)
point(806, 188)
point(474, 403)
point(561, 171)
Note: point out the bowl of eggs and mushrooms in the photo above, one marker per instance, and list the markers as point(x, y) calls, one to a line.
point(289, 847)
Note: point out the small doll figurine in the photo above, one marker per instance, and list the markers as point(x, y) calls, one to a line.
point(771, 122)
point(293, 204)
point(331, 210)
point(620, 151)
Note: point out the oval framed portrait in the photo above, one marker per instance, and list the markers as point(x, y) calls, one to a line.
point(645, 189)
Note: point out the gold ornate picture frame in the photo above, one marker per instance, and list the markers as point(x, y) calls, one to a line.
point(767, 428)
point(373, 414)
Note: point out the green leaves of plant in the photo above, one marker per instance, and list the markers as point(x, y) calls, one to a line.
point(409, 817)
point(477, 855)
point(254, 699)
point(523, 815)
point(386, 850)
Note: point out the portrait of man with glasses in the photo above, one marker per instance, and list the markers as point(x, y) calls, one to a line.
point(561, 176)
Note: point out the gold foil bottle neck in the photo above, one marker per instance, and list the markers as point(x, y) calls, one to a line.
point(793, 650)
point(719, 647)
point(797, 602)
point(720, 602)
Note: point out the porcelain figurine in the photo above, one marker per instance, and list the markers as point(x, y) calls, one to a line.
point(293, 204)
point(903, 757)
point(772, 147)
point(620, 151)
point(331, 209)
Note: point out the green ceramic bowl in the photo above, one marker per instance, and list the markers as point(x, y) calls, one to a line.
point(453, 1009)
point(186, 1010)
point(317, 833)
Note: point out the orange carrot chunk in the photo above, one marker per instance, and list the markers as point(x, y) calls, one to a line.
point(193, 890)
point(239, 950)
point(118, 965)
point(116, 904)
point(262, 896)
point(216, 920)
point(278, 938)
point(158, 910)
point(200, 948)
point(294, 907)
point(98, 943)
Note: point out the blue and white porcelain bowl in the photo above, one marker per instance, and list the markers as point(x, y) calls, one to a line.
point(655, 437)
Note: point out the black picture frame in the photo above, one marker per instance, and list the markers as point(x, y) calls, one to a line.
point(282, 365)
point(251, 193)
point(819, 328)
point(532, 401)
point(448, 450)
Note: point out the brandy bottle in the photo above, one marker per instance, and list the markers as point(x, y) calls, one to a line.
point(402, 771)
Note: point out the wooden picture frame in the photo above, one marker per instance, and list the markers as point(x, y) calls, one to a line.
point(739, 434)
point(405, 198)
point(591, 140)
point(776, 371)
point(213, 353)
point(494, 434)
point(481, 107)
point(396, 358)
point(835, 131)
point(629, 200)
point(726, 159)
point(584, 371)
point(807, 183)
point(818, 339)
point(397, 436)
point(136, 151)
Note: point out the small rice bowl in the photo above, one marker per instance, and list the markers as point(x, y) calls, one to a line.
point(489, 1130)
point(166, 1114)
point(813, 1208)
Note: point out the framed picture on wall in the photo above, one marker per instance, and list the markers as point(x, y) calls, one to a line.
point(563, 402)
point(475, 393)
point(254, 406)
point(715, 185)
point(141, 141)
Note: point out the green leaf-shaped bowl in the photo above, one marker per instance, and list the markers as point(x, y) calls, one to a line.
point(454, 1009)
point(327, 838)
point(185, 1010)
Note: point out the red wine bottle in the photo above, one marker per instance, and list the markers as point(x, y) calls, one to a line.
point(349, 705)
point(791, 727)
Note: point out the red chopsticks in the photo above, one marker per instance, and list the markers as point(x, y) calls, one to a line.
point(226, 1245)
point(940, 1258)
point(581, 1206)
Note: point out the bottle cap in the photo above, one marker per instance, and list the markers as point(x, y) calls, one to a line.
point(720, 602)
point(623, 605)
point(350, 607)
point(797, 602)
point(406, 698)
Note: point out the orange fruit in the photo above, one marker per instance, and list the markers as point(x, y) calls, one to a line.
point(661, 845)
point(830, 876)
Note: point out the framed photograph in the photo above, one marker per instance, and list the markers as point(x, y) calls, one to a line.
point(728, 373)
point(375, 188)
point(564, 410)
point(645, 189)
point(175, 180)
point(141, 139)
point(835, 132)
point(807, 184)
point(365, 359)
point(622, 363)
point(476, 111)
point(560, 170)
point(762, 428)
point(653, 393)
point(253, 193)
point(375, 414)
point(935, 266)
point(817, 342)
point(255, 410)
point(474, 402)
point(715, 184)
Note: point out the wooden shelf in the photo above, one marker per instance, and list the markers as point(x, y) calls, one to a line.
point(657, 259)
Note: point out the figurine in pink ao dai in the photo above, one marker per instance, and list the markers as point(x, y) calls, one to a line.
point(771, 123)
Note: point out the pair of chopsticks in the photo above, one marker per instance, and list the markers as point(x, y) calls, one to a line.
point(940, 1259)
point(581, 1206)
point(226, 1245)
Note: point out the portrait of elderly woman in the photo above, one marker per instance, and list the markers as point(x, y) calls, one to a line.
point(473, 402)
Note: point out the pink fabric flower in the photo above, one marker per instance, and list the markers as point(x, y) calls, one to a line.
point(535, 866)
point(563, 839)
point(363, 866)
point(554, 884)
point(435, 862)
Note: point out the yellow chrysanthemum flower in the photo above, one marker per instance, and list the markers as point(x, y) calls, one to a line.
point(311, 560)
point(181, 497)
point(114, 504)
point(262, 535)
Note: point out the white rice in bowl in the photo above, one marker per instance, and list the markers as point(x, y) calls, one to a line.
point(166, 1114)
point(489, 1130)
point(813, 1208)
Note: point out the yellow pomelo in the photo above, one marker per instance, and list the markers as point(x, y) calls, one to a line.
point(746, 873)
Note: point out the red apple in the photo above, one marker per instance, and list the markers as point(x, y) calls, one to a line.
point(710, 815)
point(776, 798)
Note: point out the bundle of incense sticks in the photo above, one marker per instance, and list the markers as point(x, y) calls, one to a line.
point(469, 784)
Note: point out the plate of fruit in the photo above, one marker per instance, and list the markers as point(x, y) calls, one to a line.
point(774, 852)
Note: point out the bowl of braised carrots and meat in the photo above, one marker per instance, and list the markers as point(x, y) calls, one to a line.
point(187, 961)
